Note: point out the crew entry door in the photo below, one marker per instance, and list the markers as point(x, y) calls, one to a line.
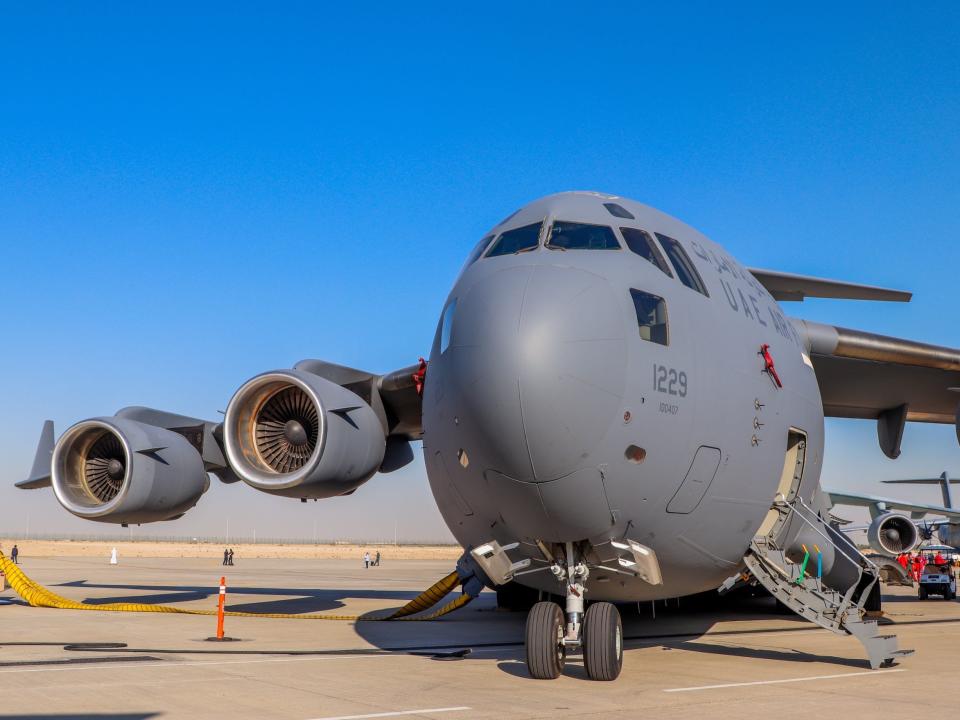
point(790, 477)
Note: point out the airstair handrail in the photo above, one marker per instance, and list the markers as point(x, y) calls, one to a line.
point(860, 558)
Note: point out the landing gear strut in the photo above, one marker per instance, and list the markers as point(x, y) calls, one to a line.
point(598, 633)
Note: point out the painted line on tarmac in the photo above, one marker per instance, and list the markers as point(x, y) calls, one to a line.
point(175, 664)
point(785, 680)
point(397, 713)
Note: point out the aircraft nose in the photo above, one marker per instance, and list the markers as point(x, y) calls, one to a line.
point(542, 368)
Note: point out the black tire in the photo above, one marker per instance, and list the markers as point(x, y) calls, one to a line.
point(602, 642)
point(922, 593)
point(544, 641)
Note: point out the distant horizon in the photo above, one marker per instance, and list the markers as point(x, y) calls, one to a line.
point(7, 538)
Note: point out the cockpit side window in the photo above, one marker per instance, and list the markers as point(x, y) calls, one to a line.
point(477, 251)
point(446, 325)
point(581, 236)
point(651, 316)
point(685, 268)
point(640, 242)
point(518, 240)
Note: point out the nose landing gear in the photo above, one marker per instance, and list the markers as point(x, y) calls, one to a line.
point(598, 633)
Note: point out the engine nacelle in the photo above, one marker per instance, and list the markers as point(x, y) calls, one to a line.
point(892, 534)
point(122, 471)
point(296, 434)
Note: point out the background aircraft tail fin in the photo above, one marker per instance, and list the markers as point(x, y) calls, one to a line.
point(944, 481)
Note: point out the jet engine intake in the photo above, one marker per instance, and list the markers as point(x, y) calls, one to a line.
point(122, 471)
point(293, 433)
point(892, 534)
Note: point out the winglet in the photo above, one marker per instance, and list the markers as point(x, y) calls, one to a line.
point(787, 286)
point(40, 474)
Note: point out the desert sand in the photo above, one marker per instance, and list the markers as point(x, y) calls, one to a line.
point(170, 549)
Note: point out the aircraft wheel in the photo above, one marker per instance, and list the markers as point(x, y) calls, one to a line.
point(602, 641)
point(922, 593)
point(546, 652)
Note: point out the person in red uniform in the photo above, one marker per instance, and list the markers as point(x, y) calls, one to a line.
point(904, 560)
point(917, 566)
point(939, 559)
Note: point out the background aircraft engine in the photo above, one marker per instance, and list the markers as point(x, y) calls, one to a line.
point(892, 534)
point(123, 471)
point(293, 433)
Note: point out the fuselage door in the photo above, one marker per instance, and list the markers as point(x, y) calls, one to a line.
point(695, 485)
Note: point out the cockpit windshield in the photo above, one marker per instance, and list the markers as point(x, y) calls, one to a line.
point(517, 240)
point(581, 236)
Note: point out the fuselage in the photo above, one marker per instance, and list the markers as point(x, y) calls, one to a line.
point(949, 534)
point(597, 374)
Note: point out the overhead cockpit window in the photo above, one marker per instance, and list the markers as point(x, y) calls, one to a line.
point(651, 316)
point(518, 240)
point(618, 211)
point(446, 325)
point(682, 264)
point(580, 236)
point(640, 242)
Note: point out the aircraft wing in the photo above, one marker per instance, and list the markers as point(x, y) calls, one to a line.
point(862, 375)
point(916, 510)
point(787, 286)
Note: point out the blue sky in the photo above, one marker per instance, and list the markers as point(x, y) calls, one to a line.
point(190, 195)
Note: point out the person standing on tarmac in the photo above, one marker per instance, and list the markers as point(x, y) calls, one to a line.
point(226, 556)
point(15, 555)
point(376, 560)
point(917, 564)
point(366, 559)
point(230, 557)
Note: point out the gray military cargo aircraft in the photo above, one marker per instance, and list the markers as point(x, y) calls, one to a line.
point(614, 410)
point(898, 526)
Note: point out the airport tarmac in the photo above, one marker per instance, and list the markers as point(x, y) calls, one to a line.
point(746, 660)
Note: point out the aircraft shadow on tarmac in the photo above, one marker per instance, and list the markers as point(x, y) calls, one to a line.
point(499, 634)
point(673, 628)
point(297, 600)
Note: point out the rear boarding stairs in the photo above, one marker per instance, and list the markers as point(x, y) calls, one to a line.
point(800, 587)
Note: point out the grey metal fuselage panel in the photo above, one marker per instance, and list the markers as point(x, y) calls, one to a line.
point(541, 391)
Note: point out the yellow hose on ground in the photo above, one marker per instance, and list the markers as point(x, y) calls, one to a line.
point(38, 596)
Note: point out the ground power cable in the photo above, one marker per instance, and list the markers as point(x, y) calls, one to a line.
point(36, 595)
